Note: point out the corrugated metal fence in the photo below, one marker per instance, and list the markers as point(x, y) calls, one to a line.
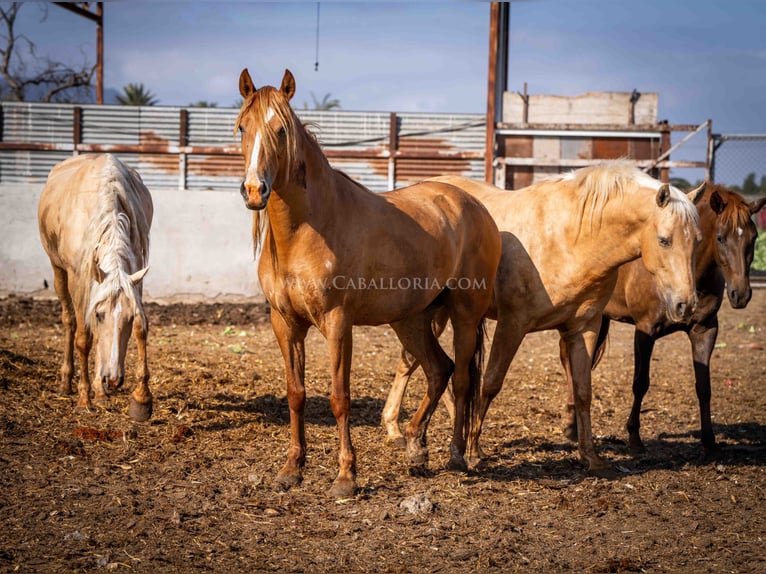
point(195, 148)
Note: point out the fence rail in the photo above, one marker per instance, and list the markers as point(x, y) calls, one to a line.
point(195, 148)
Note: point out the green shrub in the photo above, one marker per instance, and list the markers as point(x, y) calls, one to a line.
point(759, 261)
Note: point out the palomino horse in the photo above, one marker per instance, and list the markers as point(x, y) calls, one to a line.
point(723, 261)
point(94, 216)
point(563, 242)
point(336, 255)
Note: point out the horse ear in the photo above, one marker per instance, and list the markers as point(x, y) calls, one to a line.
point(696, 194)
point(138, 275)
point(663, 195)
point(717, 203)
point(288, 85)
point(246, 86)
point(755, 206)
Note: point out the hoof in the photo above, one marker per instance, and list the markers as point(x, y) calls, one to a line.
point(286, 480)
point(417, 457)
point(102, 402)
point(342, 488)
point(636, 447)
point(64, 389)
point(607, 472)
point(397, 443)
point(420, 472)
point(570, 432)
point(139, 412)
point(457, 464)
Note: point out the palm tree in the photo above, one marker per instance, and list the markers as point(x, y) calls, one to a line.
point(203, 104)
point(136, 95)
point(325, 104)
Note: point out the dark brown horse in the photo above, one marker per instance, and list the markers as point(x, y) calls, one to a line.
point(336, 255)
point(723, 261)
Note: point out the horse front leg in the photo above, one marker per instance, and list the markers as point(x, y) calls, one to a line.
point(505, 343)
point(580, 347)
point(140, 408)
point(291, 339)
point(643, 345)
point(703, 339)
point(340, 342)
point(569, 426)
point(69, 323)
point(83, 344)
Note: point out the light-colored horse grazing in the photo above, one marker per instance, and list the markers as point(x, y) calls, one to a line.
point(722, 263)
point(336, 255)
point(94, 217)
point(563, 242)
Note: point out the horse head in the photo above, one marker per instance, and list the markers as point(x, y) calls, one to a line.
point(267, 128)
point(735, 235)
point(667, 248)
point(115, 303)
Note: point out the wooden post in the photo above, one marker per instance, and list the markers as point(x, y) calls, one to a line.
point(393, 147)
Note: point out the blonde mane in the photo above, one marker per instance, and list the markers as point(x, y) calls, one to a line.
point(600, 183)
point(119, 234)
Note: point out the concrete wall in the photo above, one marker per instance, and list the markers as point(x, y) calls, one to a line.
point(201, 246)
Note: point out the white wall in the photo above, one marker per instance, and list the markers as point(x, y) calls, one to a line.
point(201, 246)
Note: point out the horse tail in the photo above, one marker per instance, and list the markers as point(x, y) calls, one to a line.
point(475, 369)
point(603, 333)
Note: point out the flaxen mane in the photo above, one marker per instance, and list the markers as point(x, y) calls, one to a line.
point(119, 234)
point(599, 183)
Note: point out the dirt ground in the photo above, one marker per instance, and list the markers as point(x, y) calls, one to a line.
point(192, 490)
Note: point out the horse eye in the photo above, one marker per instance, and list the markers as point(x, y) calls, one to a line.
point(241, 130)
point(721, 239)
point(281, 132)
point(664, 241)
point(100, 317)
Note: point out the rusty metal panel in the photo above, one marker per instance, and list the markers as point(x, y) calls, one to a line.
point(214, 172)
point(371, 173)
point(102, 124)
point(576, 148)
point(28, 166)
point(518, 146)
point(212, 126)
point(36, 122)
point(341, 130)
point(610, 148)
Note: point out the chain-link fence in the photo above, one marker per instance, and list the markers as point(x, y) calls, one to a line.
point(739, 162)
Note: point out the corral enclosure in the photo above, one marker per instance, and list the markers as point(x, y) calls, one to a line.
point(192, 490)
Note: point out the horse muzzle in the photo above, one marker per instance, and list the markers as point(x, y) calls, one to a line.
point(255, 196)
point(739, 298)
point(680, 310)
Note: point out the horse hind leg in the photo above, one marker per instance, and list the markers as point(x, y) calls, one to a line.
point(389, 419)
point(140, 408)
point(703, 339)
point(417, 337)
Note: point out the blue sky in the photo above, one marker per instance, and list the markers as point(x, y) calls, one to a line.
point(705, 58)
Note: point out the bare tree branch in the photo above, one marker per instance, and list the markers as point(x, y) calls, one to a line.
point(22, 69)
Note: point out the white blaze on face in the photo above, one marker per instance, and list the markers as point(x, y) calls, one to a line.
point(740, 231)
point(252, 172)
point(116, 336)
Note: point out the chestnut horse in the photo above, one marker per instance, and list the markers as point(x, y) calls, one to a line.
point(335, 255)
point(563, 241)
point(723, 261)
point(94, 216)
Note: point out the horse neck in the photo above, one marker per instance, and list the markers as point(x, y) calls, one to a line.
point(310, 197)
point(615, 235)
point(704, 254)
